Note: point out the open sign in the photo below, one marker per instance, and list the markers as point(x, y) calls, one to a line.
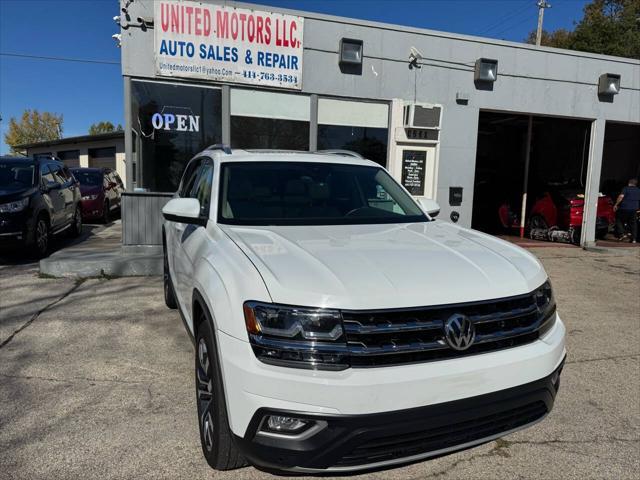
point(177, 122)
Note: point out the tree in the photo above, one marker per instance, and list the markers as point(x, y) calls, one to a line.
point(103, 127)
point(560, 38)
point(609, 27)
point(33, 127)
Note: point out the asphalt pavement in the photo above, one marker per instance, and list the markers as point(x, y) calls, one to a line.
point(96, 382)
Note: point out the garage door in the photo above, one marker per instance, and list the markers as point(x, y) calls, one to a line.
point(71, 158)
point(102, 157)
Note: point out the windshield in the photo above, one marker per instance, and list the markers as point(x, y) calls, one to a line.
point(88, 178)
point(16, 175)
point(309, 193)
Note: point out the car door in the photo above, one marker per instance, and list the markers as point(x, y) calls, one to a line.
point(193, 239)
point(177, 232)
point(52, 196)
point(66, 192)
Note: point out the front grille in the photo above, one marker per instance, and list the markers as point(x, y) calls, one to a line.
point(389, 337)
point(384, 449)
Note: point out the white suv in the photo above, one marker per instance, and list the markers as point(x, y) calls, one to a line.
point(339, 327)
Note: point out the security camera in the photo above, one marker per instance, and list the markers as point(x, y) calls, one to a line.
point(117, 19)
point(145, 20)
point(414, 57)
point(118, 38)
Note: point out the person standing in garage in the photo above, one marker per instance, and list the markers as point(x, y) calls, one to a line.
point(626, 208)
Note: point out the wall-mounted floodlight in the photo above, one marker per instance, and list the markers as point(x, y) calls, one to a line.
point(486, 70)
point(350, 51)
point(609, 84)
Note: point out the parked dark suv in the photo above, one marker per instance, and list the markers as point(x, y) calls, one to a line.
point(101, 190)
point(38, 198)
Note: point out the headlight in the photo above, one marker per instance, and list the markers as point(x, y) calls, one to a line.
point(546, 307)
point(16, 206)
point(297, 336)
point(89, 197)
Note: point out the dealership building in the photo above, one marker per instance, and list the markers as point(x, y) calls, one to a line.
point(471, 122)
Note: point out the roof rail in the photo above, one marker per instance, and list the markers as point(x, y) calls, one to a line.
point(220, 146)
point(344, 153)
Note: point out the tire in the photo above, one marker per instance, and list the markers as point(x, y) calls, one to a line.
point(169, 292)
point(537, 221)
point(41, 237)
point(106, 213)
point(76, 227)
point(215, 435)
point(576, 233)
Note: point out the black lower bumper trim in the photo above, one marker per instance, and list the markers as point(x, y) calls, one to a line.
point(356, 442)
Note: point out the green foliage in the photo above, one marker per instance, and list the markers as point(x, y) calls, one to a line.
point(104, 127)
point(33, 127)
point(608, 27)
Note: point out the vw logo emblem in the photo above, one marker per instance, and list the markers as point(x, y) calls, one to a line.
point(459, 331)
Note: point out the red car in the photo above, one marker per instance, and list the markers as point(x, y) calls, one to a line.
point(564, 209)
point(101, 190)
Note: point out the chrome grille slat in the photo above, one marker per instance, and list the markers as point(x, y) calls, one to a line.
point(492, 317)
point(388, 337)
point(356, 327)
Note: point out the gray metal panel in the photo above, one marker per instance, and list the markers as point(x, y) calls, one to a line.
point(531, 80)
point(142, 218)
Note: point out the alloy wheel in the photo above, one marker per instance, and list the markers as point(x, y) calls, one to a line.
point(78, 220)
point(205, 394)
point(42, 236)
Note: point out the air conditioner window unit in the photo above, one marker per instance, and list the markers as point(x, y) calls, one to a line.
point(422, 116)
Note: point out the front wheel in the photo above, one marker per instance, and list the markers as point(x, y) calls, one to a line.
point(76, 226)
point(169, 293)
point(215, 434)
point(41, 237)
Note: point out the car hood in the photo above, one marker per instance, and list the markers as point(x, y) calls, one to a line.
point(385, 266)
point(11, 194)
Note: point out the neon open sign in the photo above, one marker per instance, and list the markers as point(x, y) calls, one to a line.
point(177, 122)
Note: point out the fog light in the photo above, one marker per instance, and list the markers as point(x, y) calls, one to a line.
point(278, 423)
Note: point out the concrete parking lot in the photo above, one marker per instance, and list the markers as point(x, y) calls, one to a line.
point(96, 382)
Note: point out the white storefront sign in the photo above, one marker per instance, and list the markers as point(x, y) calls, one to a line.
point(238, 45)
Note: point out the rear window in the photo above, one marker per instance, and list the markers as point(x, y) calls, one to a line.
point(89, 178)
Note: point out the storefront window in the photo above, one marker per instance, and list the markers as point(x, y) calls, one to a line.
point(172, 123)
point(269, 120)
point(357, 126)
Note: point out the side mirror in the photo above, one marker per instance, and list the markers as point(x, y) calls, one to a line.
point(429, 206)
point(184, 210)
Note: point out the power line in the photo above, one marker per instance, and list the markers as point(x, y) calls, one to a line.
point(505, 18)
point(512, 26)
point(59, 59)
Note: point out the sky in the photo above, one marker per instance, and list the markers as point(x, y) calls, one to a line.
point(85, 93)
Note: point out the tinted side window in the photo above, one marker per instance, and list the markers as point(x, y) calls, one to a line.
point(189, 177)
point(45, 174)
point(202, 188)
point(57, 174)
point(67, 173)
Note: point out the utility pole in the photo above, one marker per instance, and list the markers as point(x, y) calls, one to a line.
point(542, 5)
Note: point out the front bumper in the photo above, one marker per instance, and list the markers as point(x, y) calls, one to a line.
point(347, 443)
point(377, 395)
point(92, 209)
point(15, 228)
